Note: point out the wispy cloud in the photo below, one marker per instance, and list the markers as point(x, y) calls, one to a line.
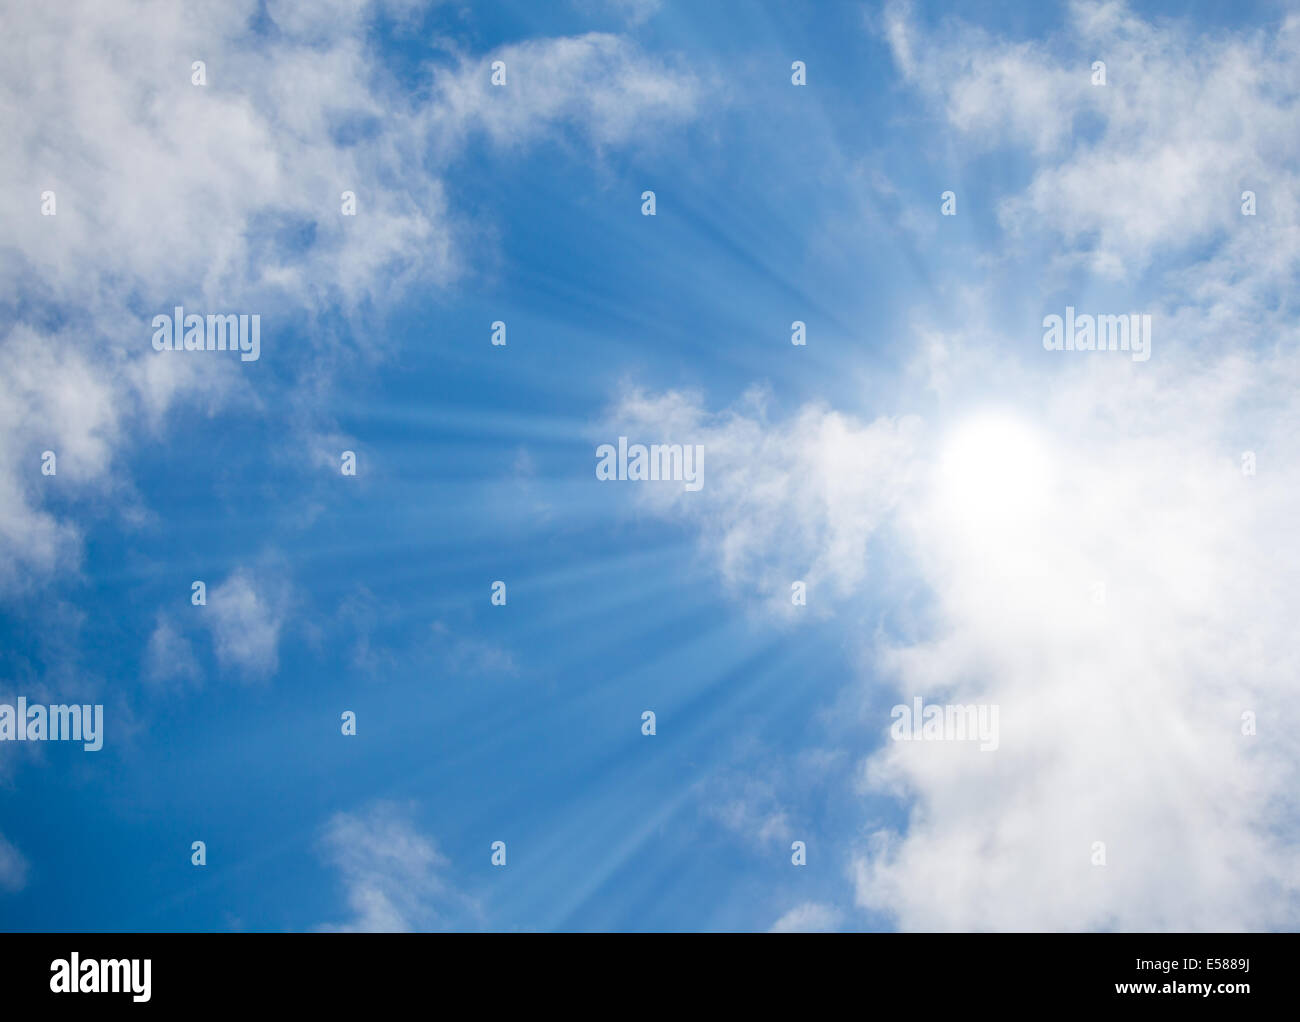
point(794, 501)
point(810, 917)
point(244, 215)
point(393, 876)
point(600, 84)
point(1151, 164)
point(169, 656)
point(13, 867)
point(245, 614)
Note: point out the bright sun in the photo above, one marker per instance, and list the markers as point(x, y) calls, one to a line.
point(994, 468)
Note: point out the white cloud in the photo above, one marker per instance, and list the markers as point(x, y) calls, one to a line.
point(1119, 723)
point(798, 502)
point(169, 656)
point(1033, 481)
point(226, 198)
point(393, 874)
point(51, 399)
point(600, 83)
point(810, 917)
point(246, 614)
point(1152, 163)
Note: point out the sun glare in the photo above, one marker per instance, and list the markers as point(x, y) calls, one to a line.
point(993, 468)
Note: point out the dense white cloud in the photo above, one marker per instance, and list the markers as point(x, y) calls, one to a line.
point(1120, 722)
point(1120, 708)
point(51, 399)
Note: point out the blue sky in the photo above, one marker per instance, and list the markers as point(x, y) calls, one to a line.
point(950, 491)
